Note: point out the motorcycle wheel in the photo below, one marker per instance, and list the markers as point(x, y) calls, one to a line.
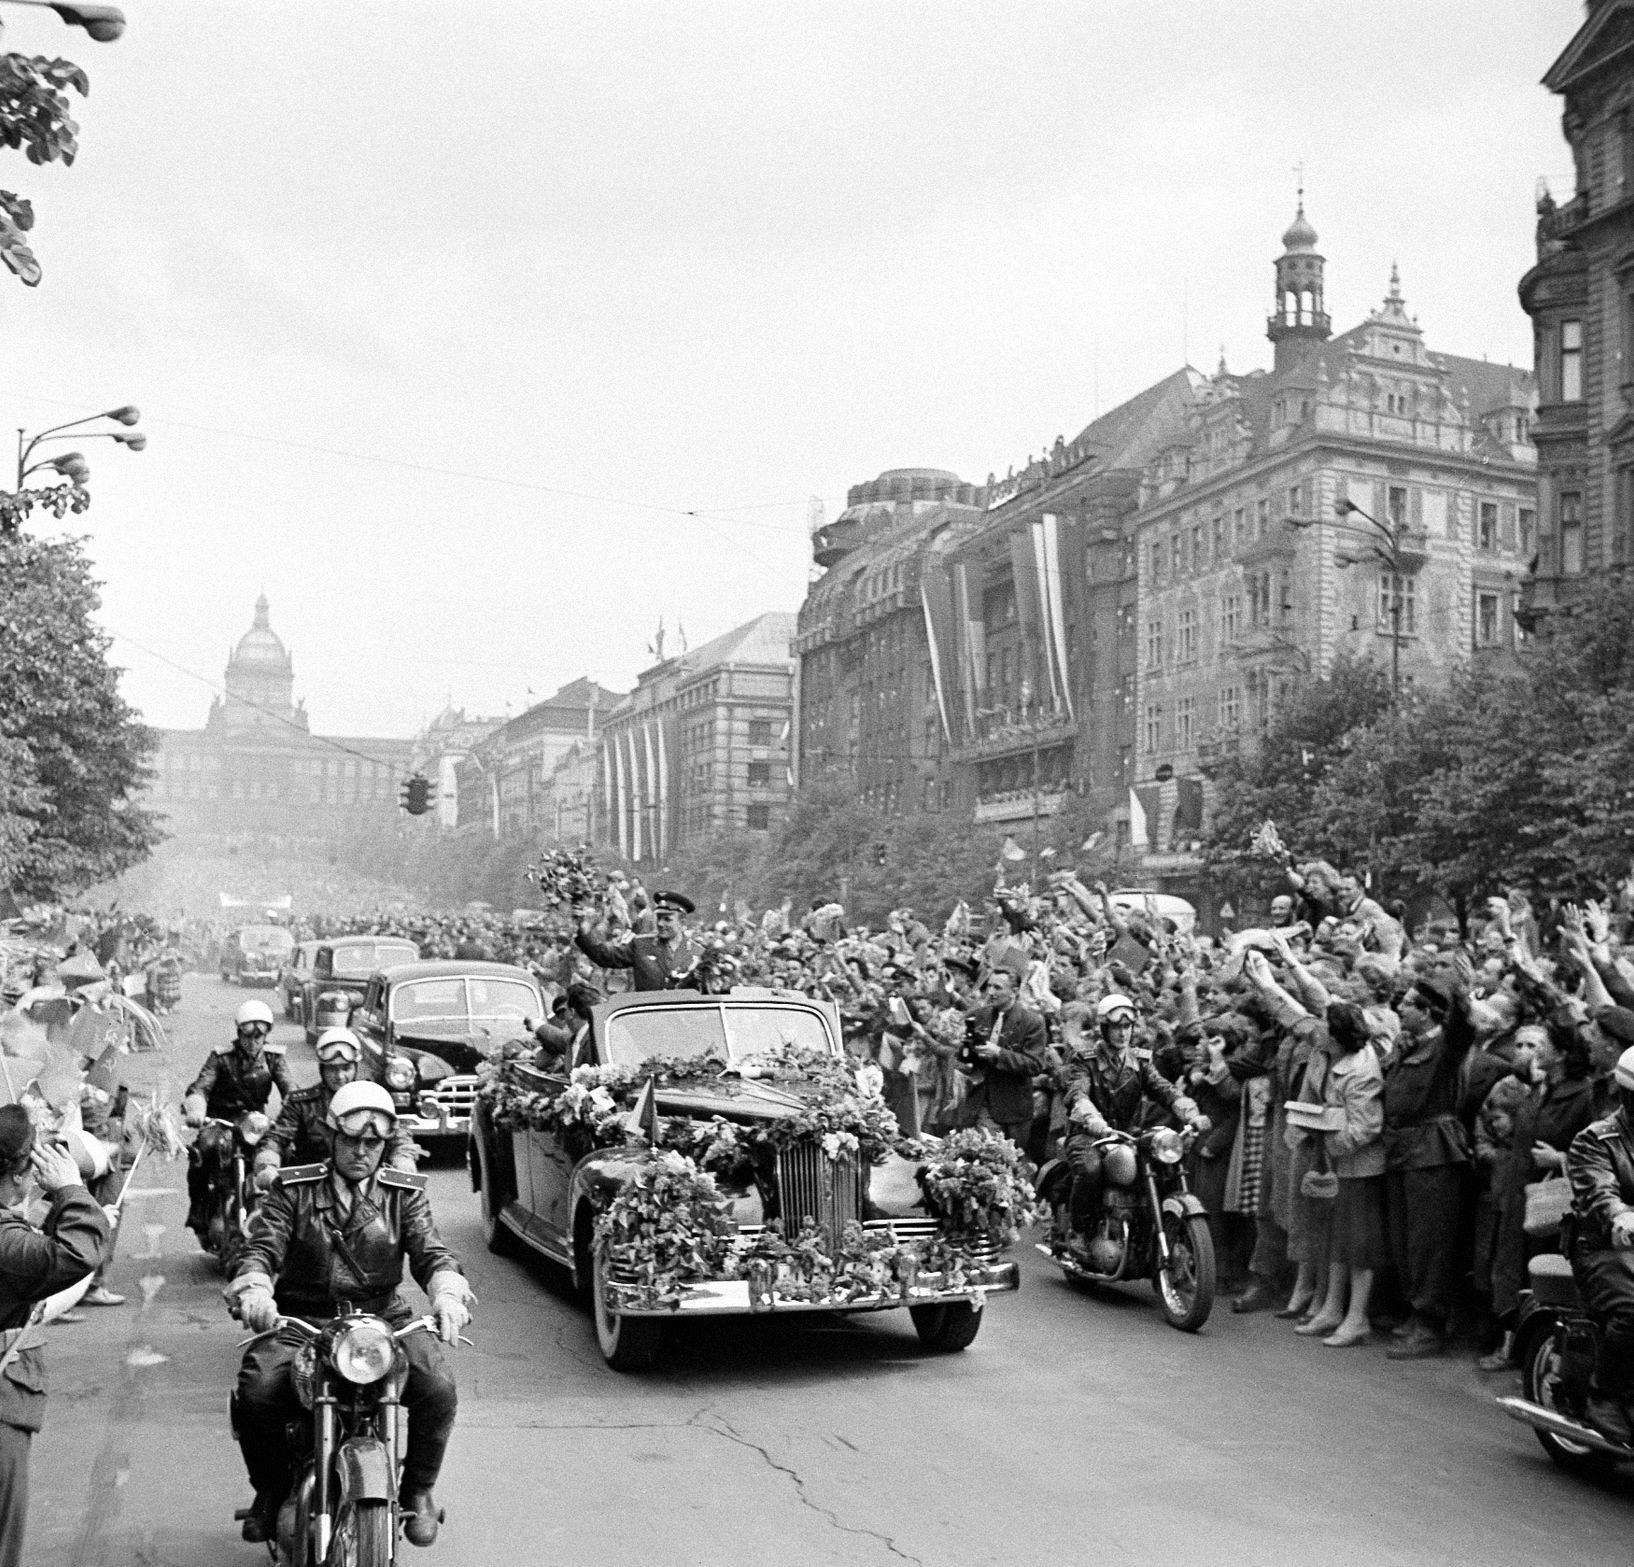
point(1540, 1379)
point(627, 1343)
point(1185, 1288)
point(948, 1327)
point(362, 1536)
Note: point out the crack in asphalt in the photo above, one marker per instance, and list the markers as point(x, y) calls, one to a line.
point(722, 1428)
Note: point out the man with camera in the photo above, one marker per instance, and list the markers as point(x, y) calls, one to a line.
point(1004, 1051)
point(34, 1264)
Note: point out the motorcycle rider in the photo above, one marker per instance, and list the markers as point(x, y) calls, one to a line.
point(1600, 1244)
point(230, 1083)
point(341, 1231)
point(300, 1135)
point(1108, 1089)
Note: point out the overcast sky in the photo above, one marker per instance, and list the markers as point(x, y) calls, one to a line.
point(441, 317)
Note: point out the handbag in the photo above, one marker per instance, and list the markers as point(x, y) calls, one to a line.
point(1547, 1202)
point(1319, 1183)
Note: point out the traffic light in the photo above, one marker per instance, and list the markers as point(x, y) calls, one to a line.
point(881, 854)
point(416, 795)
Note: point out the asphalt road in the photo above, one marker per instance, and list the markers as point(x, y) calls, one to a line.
point(1076, 1429)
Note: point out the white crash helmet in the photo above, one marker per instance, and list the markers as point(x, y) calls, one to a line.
point(358, 1107)
point(338, 1044)
point(1113, 1006)
point(1623, 1073)
point(253, 1012)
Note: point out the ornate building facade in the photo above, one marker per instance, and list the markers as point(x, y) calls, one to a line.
point(1257, 559)
point(1580, 296)
point(256, 768)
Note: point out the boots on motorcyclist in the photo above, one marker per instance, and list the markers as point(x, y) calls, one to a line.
point(261, 1522)
point(1609, 1416)
point(421, 1517)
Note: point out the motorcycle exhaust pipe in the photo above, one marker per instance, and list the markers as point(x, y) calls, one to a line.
point(1563, 1426)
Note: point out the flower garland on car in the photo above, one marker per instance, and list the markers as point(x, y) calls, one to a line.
point(976, 1184)
point(665, 1229)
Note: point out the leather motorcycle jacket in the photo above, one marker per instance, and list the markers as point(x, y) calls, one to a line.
point(231, 1084)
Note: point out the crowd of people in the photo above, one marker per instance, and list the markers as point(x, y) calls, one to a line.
point(1376, 1107)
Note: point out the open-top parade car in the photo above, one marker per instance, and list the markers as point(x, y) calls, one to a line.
point(715, 1155)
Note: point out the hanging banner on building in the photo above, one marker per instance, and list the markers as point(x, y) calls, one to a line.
point(621, 809)
point(1024, 573)
point(933, 579)
point(652, 796)
point(1048, 547)
point(662, 828)
point(975, 638)
point(1139, 837)
point(637, 796)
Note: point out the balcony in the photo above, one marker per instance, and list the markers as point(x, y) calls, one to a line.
point(1013, 738)
point(1555, 223)
point(1016, 805)
point(1279, 544)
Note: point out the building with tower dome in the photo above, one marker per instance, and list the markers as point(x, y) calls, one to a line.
point(1256, 566)
point(256, 768)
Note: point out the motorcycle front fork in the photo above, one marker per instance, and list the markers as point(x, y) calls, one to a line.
point(323, 1479)
point(1157, 1220)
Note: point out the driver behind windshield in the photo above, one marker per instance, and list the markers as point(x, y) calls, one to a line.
point(1110, 1089)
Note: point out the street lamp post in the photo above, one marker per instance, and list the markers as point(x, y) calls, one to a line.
point(15, 507)
point(1385, 545)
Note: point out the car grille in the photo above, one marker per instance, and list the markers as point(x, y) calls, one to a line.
point(456, 1095)
point(810, 1185)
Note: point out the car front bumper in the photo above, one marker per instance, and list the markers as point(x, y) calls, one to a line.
point(735, 1297)
point(443, 1111)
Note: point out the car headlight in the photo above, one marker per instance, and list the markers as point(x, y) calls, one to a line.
point(363, 1352)
point(1166, 1146)
point(399, 1072)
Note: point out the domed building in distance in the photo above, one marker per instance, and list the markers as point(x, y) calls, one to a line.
point(256, 767)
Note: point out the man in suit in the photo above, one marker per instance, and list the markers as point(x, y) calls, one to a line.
point(34, 1264)
point(1005, 1051)
point(663, 961)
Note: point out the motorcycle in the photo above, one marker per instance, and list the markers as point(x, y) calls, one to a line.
point(341, 1510)
point(1149, 1226)
point(232, 1194)
point(1556, 1343)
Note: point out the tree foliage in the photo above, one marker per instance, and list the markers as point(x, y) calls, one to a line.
point(72, 753)
point(34, 119)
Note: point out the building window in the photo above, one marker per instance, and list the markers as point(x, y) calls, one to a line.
point(1262, 518)
point(1154, 644)
point(1394, 590)
point(1182, 723)
point(1529, 530)
point(1239, 525)
point(1486, 536)
point(1571, 361)
point(760, 775)
point(1157, 563)
point(1231, 608)
point(1187, 650)
point(1293, 500)
point(1486, 620)
point(758, 818)
point(1219, 537)
point(1231, 706)
point(760, 731)
point(1571, 533)
point(1395, 506)
point(1174, 553)
point(1197, 547)
point(1154, 728)
point(1259, 598)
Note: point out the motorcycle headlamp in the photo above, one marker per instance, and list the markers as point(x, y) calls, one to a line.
point(363, 1351)
point(252, 1127)
point(364, 1125)
point(1166, 1146)
point(399, 1073)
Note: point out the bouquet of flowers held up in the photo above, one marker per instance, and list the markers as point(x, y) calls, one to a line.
point(567, 876)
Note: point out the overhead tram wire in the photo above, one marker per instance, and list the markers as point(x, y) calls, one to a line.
point(272, 713)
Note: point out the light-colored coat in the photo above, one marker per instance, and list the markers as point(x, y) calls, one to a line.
point(1355, 1084)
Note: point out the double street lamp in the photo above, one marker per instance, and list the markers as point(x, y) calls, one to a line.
point(1385, 544)
point(104, 23)
point(14, 508)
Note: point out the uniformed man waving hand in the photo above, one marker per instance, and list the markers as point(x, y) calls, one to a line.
point(664, 961)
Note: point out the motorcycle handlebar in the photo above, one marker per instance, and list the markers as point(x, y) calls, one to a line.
point(427, 1324)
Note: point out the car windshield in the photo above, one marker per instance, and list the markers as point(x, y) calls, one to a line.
point(428, 998)
point(502, 998)
point(463, 997)
point(359, 962)
point(265, 938)
point(694, 1032)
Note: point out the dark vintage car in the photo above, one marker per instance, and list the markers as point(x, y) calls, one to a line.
point(535, 1193)
point(425, 1027)
point(341, 970)
point(293, 976)
point(256, 954)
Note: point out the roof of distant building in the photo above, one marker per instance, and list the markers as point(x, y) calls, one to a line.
point(261, 647)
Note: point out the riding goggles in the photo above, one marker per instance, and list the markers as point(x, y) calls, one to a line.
point(260, 1030)
point(366, 1125)
point(337, 1050)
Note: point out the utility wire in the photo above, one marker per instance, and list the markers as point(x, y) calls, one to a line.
point(272, 713)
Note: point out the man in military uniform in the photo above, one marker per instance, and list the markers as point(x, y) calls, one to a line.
point(664, 961)
point(300, 1135)
point(34, 1263)
point(341, 1231)
point(230, 1084)
point(1600, 1163)
point(1106, 1091)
